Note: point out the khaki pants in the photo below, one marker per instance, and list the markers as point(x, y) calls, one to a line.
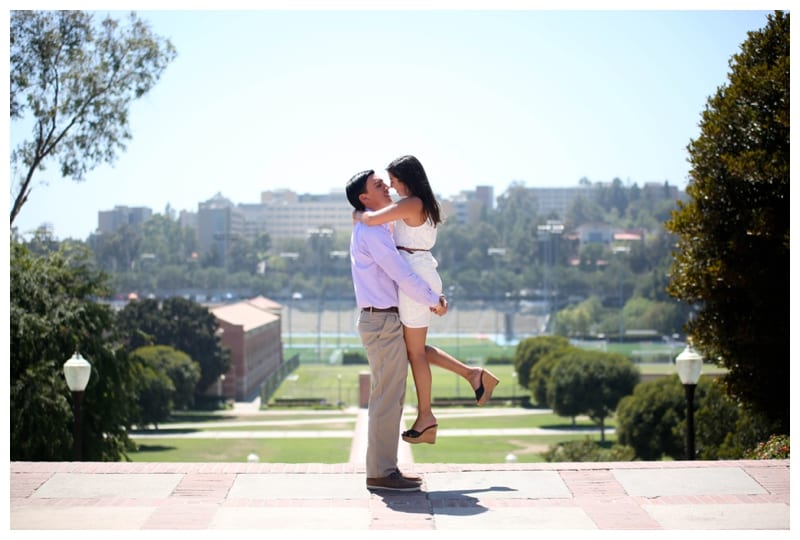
point(382, 337)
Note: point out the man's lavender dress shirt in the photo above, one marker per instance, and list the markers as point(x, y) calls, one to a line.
point(378, 270)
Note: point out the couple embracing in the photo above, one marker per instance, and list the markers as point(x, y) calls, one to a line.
point(397, 287)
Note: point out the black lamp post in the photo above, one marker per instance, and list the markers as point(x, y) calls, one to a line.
point(77, 371)
point(689, 364)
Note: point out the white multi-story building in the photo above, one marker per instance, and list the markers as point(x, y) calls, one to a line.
point(468, 206)
point(219, 221)
point(108, 221)
point(554, 201)
point(286, 214)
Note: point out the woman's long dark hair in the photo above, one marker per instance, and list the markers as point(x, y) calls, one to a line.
point(409, 170)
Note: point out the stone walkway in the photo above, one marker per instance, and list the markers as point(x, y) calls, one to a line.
point(718, 495)
point(646, 496)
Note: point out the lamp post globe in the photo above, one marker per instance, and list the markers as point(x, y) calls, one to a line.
point(77, 372)
point(689, 364)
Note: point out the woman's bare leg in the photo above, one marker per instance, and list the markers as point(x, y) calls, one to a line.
point(440, 358)
point(421, 371)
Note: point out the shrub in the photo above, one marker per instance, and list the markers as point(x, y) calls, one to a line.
point(351, 358)
point(589, 451)
point(777, 447)
point(499, 360)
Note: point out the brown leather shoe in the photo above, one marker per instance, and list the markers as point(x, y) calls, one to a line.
point(394, 482)
point(413, 477)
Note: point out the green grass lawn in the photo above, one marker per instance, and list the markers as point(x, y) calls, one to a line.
point(317, 450)
point(489, 449)
point(322, 381)
point(336, 383)
point(526, 449)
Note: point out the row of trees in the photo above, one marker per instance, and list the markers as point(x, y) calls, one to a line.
point(732, 251)
point(157, 258)
point(161, 257)
point(731, 260)
point(731, 257)
point(147, 360)
point(650, 416)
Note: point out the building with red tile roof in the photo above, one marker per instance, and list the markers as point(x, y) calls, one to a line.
point(251, 329)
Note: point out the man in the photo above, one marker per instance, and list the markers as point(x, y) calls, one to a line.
point(378, 270)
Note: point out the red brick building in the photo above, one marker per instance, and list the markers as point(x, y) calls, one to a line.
point(251, 329)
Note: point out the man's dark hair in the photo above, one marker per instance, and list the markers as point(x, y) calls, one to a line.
point(356, 186)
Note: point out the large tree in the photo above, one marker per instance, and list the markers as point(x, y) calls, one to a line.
point(54, 313)
point(732, 255)
point(591, 383)
point(166, 382)
point(74, 80)
point(182, 324)
point(530, 350)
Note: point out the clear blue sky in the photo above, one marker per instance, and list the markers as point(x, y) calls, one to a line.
point(264, 100)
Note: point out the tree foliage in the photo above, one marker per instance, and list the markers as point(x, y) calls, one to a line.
point(723, 429)
point(540, 374)
point(530, 350)
point(54, 313)
point(587, 450)
point(182, 324)
point(732, 254)
point(74, 81)
point(653, 421)
point(646, 420)
point(182, 373)
point(154, 390)
point(591, 383)
point(167, 240)
point(581, 319)
point(166, 382)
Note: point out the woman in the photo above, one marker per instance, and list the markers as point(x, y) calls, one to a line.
point(415, 217)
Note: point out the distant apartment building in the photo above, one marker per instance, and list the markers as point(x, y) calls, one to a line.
point(287, 214)
point(555, 201)
point(251, 329)
point(188, 219)
point(552, 202)
point(255, 219)
point(109, 221)
point(469, 205)
point(219, 222)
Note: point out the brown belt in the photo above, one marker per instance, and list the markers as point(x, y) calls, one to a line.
point(371, 309)
point(411, 250)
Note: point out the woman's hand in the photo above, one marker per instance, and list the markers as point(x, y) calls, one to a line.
point(357, 216)
point(441, 308)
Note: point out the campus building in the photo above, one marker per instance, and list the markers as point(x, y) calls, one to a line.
point(108, 221)
point(251, 329)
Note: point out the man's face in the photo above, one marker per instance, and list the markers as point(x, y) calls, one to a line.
point(377, 193)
